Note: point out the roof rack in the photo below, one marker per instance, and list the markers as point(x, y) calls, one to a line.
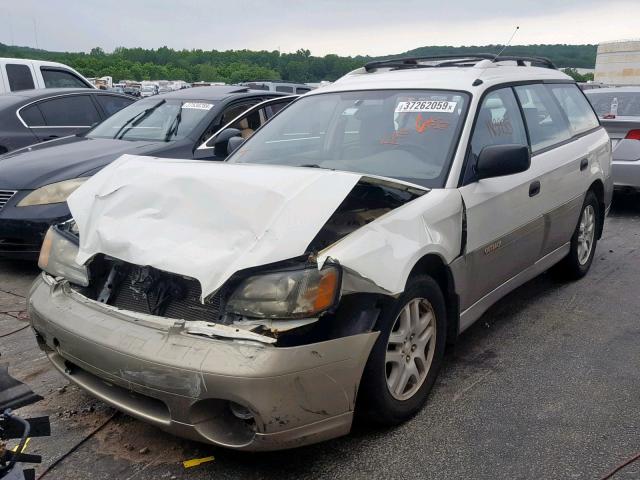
point(456, 61)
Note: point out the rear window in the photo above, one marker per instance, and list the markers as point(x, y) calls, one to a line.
point(624, 104)
point(58, 78)
point(20, 77)
point(576, 108)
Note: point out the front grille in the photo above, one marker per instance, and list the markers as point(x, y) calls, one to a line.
point(5, 196)
point(151, 291)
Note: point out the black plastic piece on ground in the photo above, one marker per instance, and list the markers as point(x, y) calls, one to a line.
point(14, 394)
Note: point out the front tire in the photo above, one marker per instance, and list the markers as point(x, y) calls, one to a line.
point(583, 242)
point(407, 356)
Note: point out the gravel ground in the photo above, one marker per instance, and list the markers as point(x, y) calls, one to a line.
point(546, 385)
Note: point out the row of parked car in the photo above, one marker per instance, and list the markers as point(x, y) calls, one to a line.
point(325, 265)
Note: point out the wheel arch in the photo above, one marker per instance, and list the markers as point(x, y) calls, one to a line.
point(434, 265)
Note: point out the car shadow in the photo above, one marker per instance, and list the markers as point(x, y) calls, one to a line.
point(625, 204)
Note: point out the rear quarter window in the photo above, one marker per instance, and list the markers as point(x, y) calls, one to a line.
point(32, 116)
point(576, 107)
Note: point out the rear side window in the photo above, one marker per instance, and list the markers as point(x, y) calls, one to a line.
point(69, 111)
point(576, 107)
point(20, 77)
point(32, 116)
point(54, 78)
point(284, 89)
point(302, 90)
point(545, 121)
point(112, 104)
point(499, 122)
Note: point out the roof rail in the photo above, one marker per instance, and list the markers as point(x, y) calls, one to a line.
point(456, 60)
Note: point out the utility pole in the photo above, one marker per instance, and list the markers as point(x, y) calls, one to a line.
point(35, 31)
point(11, 29)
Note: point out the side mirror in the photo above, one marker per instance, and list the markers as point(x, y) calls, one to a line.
point(233, 144)
point(224, 136)
point(501, 160)
point(221, 141)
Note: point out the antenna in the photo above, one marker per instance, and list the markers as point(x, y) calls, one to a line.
point(509, 42)
point(478, 81)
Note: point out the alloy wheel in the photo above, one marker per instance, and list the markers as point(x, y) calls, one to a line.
point(410, 348)
point(586, 234)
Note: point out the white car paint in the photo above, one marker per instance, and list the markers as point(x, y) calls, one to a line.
point(211, 220)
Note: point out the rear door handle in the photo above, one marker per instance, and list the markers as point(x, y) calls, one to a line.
point(534, 188)
point(584, 163)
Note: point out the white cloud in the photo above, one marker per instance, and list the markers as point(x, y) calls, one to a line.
point(346, 27)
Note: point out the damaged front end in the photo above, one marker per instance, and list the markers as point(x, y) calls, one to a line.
point(270, 359)
point(269, 300)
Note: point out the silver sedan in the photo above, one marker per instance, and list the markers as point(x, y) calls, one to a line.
point(619, 112)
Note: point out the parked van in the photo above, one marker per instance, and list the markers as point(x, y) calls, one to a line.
point(23, 74)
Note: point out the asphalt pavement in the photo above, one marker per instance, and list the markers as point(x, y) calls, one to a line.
point(546, 385)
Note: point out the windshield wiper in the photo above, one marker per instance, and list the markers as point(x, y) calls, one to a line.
point(315, 165)
point(173, 129)
point(136, 119)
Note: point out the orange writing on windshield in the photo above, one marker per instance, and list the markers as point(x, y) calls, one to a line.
point(431, 122)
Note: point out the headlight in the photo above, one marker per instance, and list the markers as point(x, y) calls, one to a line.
point(58, 258)
point(288, 294)
point(53, 193)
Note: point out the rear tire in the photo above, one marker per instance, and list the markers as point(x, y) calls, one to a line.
point(583, 242)
point(407, 356)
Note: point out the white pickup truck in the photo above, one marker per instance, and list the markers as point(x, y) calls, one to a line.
point(23, 74)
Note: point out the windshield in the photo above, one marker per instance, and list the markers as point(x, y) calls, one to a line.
point(408, 135)
point(623, 104)
point(153, 119)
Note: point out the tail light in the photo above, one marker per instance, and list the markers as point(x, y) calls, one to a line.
point(633, 135)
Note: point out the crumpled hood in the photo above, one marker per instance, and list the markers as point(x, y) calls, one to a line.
point(63, 159)
point(201, 219)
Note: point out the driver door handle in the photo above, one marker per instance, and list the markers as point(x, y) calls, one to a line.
point(534, 188)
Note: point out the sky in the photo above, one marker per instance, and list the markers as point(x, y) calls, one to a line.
point(343, 27)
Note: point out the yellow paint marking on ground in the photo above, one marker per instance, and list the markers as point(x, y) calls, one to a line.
point(194, 462)
point(24, 449)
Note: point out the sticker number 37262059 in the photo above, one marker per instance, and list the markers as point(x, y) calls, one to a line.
point(426, 106)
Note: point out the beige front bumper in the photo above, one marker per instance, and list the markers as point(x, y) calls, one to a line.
point(183, 383)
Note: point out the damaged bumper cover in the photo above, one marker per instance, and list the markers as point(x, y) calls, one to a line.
point(187, 384)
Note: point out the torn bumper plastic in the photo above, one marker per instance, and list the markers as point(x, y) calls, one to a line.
point(194, 386)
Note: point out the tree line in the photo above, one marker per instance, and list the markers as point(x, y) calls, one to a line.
point(235, 66)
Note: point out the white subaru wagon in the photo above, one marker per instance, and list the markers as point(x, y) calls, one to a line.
point(257, 303)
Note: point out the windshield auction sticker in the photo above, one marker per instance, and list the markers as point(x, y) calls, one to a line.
point(426, 106)
point(198, 106)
